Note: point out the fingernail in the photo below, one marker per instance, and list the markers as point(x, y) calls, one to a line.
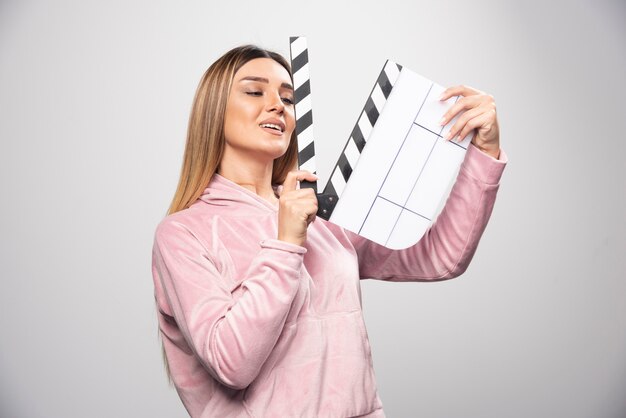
point(449, 135)
point(441, 96)
point(441, 122)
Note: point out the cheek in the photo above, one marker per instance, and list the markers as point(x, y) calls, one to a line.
point(290, 121)
point(229, 125)
point(233, 122)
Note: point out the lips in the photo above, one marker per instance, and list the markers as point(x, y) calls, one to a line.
point(273, 125)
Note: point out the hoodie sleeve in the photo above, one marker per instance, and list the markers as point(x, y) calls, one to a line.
point(447, 248)
point(232, 337)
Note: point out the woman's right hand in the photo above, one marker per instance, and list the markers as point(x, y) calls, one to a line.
point(297, 208)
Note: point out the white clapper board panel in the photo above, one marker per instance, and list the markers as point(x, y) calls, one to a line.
point(405, 171)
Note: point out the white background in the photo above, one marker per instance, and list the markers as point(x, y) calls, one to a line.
point(94, 101)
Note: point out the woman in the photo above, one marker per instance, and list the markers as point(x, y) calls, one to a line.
point(258, 305)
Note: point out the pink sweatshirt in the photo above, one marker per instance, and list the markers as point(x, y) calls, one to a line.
point(257, 327)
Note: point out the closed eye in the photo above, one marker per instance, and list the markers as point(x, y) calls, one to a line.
point(287, 100)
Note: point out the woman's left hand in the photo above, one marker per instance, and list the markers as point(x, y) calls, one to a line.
point(480, 114)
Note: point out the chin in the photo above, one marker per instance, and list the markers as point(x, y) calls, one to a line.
point(279, 154)
point(276, 150)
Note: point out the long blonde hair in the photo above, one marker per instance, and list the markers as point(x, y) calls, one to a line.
point(205, 133)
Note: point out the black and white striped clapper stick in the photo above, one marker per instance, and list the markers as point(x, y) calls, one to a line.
point(362, 129)
point(304, 125)
point(303, 109)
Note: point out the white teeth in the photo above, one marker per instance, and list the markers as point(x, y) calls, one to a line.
point(272, 126)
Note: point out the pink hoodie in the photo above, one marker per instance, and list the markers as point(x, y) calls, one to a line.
point(257, 327)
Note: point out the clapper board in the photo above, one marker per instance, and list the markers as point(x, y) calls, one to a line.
point(396, 169)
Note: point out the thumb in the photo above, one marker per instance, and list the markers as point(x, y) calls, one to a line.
point(293, 177)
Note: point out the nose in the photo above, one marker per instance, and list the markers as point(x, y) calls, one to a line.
point(275, 104)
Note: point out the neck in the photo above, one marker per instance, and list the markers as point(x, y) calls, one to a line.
point(249, 172)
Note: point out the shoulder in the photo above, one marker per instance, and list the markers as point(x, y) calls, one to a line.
point(175, 223)
point(183, 226)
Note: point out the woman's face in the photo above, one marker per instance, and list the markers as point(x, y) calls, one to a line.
point(259, 116)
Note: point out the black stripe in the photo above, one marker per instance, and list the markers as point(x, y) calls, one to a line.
point(330, 189)
point(399, 69)
point(292, 39)
point(304, 122)
point(304, 184)
point(357, 135)
point(300, 61)
point(384, 84)
point(358, 139)
point(306, 154)
point(371, 111)
point(302, 91)
point(344, 166)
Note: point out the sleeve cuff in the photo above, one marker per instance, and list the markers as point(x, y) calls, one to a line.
point(282, 245)
point(484, 167)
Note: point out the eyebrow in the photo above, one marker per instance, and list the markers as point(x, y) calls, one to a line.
point(265, 80)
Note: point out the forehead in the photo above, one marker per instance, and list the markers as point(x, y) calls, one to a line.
point(266, 68)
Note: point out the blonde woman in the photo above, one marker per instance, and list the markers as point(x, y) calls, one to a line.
point(258, 301)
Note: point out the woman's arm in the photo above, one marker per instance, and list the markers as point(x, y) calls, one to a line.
point(446, 249)
point(232, 336)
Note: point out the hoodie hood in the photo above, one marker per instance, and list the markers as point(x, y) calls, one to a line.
point(226, 194)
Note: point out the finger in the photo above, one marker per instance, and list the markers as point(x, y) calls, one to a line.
point(293, 200)
point(464, 103)
point(305, 211)
point(313, 214)
point(302, 198)
point(299, 203)
point(476, 123)
point(305, 203)
point(293, 177)
point(458, 91)
point(462, 120)
point(299, 194)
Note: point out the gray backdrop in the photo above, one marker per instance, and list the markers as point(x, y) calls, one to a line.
point(94, 101)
